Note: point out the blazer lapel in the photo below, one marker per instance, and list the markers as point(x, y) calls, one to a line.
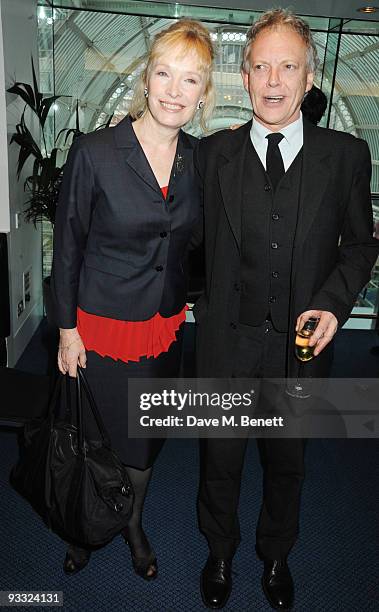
point(136, 159)
point(230, 173)
point(184, 156)
point(183, 162)
point(314, 180)
point(133, 154)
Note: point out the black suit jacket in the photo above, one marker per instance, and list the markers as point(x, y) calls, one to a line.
point(333, 252)
point(119, 248)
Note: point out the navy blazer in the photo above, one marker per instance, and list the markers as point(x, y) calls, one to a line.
point(120, 248)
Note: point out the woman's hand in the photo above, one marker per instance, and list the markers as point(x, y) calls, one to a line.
point(71, 352)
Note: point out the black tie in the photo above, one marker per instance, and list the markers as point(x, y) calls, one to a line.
point(274, 161)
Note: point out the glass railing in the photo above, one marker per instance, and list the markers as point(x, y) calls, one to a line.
point(92, 50)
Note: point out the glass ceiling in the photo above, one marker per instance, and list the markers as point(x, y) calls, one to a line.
point(94, 57)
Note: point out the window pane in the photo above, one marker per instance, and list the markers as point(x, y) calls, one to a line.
point(356, 110)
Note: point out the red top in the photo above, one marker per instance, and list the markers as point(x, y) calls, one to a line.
point(129, 340)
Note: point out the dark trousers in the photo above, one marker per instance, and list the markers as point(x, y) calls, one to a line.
point(261, 352)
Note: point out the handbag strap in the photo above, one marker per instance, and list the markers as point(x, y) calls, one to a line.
point(66, 397)
point(60, 397)
point(82, 383)
point(53, 403)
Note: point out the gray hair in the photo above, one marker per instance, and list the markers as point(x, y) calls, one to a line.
point(274, 19)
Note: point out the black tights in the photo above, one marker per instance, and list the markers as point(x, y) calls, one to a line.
point(133, 531)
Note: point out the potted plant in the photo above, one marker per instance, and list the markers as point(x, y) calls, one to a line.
point(42, 186)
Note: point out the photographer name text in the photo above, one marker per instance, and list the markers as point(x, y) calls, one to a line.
point(224, 421)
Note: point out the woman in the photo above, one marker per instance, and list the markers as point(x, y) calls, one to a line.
point(128, 204)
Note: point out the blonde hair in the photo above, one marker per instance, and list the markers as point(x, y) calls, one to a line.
point(274, 19)
point(187, 35)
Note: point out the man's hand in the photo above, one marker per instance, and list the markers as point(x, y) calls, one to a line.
point(325, 330)
point(71, 352)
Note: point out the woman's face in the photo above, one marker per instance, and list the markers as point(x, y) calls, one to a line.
point(175, 87)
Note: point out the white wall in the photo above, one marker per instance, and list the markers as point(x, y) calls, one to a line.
point(4, 191)
point(19, 32)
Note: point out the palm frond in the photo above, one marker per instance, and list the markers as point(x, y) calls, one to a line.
point(27, 144)
point(43, 186)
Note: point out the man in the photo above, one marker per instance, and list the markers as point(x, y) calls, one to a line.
point(278, 195)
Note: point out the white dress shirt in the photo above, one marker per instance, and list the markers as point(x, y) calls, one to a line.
point(289, 146)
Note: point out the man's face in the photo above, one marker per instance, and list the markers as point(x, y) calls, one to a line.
point(278, 77)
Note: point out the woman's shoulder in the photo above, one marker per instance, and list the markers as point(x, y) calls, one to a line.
point(189, 138)
point(96, 138)
point(118, 134)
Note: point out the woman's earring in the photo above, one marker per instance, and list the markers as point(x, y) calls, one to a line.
point(201, 104)
point(145, 93)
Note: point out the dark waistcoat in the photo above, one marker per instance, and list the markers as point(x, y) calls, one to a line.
point(268, 231)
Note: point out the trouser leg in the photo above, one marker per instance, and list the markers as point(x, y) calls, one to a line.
point(221, 468)
point(283, 474)
point(282, 461)
point(220, 482)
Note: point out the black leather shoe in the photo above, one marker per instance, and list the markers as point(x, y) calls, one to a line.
point(216, 583)
point(277, 584)
point(76, 559)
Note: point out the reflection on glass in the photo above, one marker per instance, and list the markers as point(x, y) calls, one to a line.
point(90, 52)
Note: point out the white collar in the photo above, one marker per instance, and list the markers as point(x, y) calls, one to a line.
point(291, 132)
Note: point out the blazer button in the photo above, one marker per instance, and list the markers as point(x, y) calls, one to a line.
point(267, 187)
point(233, 325)
point(159, 268)
point(272, 299)
point(236, 287)
point(275, 274)
point(274, 245)
point(275, 217)
point(163, 234)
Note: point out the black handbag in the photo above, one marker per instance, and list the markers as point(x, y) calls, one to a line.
point(79, 487)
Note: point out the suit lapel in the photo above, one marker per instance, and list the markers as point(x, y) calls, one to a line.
point(135, 158)
point(230, 173)
point(132, 152)
point(137, 161)
point(315, 176)
point(314, 180)
point(183, 162)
